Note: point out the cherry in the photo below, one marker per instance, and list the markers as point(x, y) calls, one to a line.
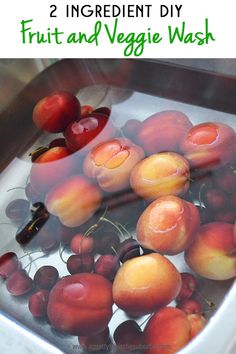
point(106, 242)
point(128, 336)
point(97, 342)
point(82, 244)
point(46, 277)
point(190, 306)
point(215, 199)
point(47, 237)
point(107, 266)
point(54, 112)
point(8, 264)
point(86, 109)
point(228, 216)
point(128, 249)
point(83, 263)
point(226, 179)
point(80, 133)
point(18, 210)
point(31, 194)
point(103, 110)
point(188, 287)
point(19, 283)
point(131, 128)
point(64, 233)
point(61, 142)
point(38, 303)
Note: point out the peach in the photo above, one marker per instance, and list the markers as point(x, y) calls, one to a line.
point(111, 163)
point(145, 283)
point(51, 168)
point(80, 304)
point(168, 225)
point(74, 200)
point(163, 131)
point(167, 331)
point(160, 174)
point(209, 145)
point(212, 253)
point(197, 323)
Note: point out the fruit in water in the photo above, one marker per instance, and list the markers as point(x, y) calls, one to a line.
point(80, 304)
point(189, 285)
point(166, 173)
point(51, 168)
point(54, 112)
point(38, 303)
point(82, 244)
point(97, 342)
point(167, 331)
point(111, 163)
point(212, 253)
point(144, 284)
point(209, 145)
point(74, 201)
point(128, 336)
point(190, 306)
point(163, 131)
point(8, 264)
point(107, 266)
point(46, 277)
point(168, 225)
point(18, 210)
point(19, 283)
point(82, 263)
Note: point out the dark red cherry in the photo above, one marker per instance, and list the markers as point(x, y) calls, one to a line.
point(97, 342)
point(38, 303)
point(19, 283)
point(46, 277)
point(18, 210)
point(107, 266)
point(128, 336)
point(83, 263)
point(128, 249)
point(107, 242)
point(8, 264)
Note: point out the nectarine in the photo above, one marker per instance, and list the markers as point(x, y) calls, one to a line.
point(160, 174)
point(111, 163)
point(74, 200)
point(145, 283)
point(81, 304)
point(168, 225)
point(212, 253)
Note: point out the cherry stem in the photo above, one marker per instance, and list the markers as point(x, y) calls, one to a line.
point(90, 230)
point(146, 319)
point(32, 261)
point(61, 250)
point(29, 254)
point(114, 250)
point(200, 196)
point(113, 224)
point(12, 189)
point(208, 302)
point(124, 229)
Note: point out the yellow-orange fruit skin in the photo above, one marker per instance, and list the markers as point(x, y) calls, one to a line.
point(168, 225)
point(144, 284)
point(74, 200)
point(111, 163)
point(211, 254)
point(166, 332)
point(166, 173)
point(197, 323)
